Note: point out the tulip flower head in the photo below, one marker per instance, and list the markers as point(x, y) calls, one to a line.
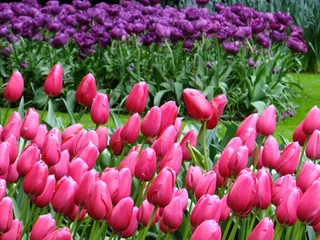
point(14, 88)
point(87, 90)
point(137, 98)
point(54, 81)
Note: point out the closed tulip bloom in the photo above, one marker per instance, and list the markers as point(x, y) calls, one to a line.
point(164, 141)
point(89, 154)
point(207, 208)
point(4, 158)
point(173, 214)
point(13, 148)
point(6, 214)
point(197, 105)
point(103, 137)
point(30, 125)
point(221, 181)
point(54, 81)
point(316, 228)
point(3, 188)
point(63, 197)
point(206, 185)
point(44, 225)
point(45, 197)
point(99, 205)
point(14, 88)
point(267, 121)
point(100, 111)
point(14, 232)
point(257, 157)
point(169, 112)
point(240, 161)
point(289, 159)
point(61, 233)
point(286, 210)
point(312, 147)
point(250, 121)
point(271, 153)
point(280, 188)
point(173, 158)
point(183, 194)
point(77, 169)
point(248, 137)
point(264, 230)
point(193, 176)
point(242, 206)
point(137, 98)
point(28, 157)
point(191, 137)
point(61, 168)
point(71, 130)
point(146, 165)
point(82, 139)
point(118, 182)
point(225, 210)
point(161, 189)
point(264, 189)
point(312, 121)
point(51, 149)
point(85, 186)
point(207, 230)
point(121, 214)
point(36, 179)
point(307, 175)
point(218, 104)
point(13, 126)
point(116, 143)
point(41, 134)
point(130, 161)
point(299, 135)
point(87, 90)
point(308, 210)
point(178, 127)
point(133, 225)
point(72, 216)
point(12, 174)
point(130, 131)
point(145, 212)
point(150, 126)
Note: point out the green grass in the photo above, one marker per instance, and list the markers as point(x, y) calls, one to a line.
point(310, 96)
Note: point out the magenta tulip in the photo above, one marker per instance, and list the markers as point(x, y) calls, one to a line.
point(193, 176)
point(299, 135)
point(190, 137)
point(71, 130)
point(173, 158)
point(13, 126)
point(173, 214)
point(130, 161)
point(3, 188)
point(121, 214)
point(289, 159)
point(312, 121)
point(42, 227)
point(77, 169)
point(264, 230)
point(264, 189)
point(150, 126)
point(4, 158)
point(145, 212)
point(218, 103)
point(61, 233)
point(164, 141)
point(312, 147)
point(54, 81)
point(146, 165)
point(6, 214)
point(13, 148)
point(41, 134)
point(14, 232)
point(45, 197)
point(169, 111)
point(207, 230)
point(89, 154)
point(28, 157)
point(87, 90)
point(267, 121)
point(131, 129)
point(103, 137)
point(307, 175)
point(61, 168)
point(250, 121)
point(280, 188)
point(116, 143)
point(137, 98)
point(14, 88)
point(271, 153)
point(36, 178)
point(51, 150)
point(133, 225)
point(30, 125)
point(100, 111)
point(206, 185)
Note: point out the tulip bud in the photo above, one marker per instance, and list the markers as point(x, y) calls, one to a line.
point(130, 161)
point(100, 111)
point(77, 169)
point(103, 136)
point(307, 175)
point(51, 149)
point(190, 137)
point(207, 230)
point(28, 157)
point(169, 111)
point(87, 90)
point(206, 184)
point(150, 126)
point(41, 134)
point(35, 179)
point(316, 228)
point(299, 135)
point(14, 88)
point(6, 214)
point(250, 121)
point(121, 214)
point(312, 121)
point(4, 158)
point(264, 189)
point(289, 159)
point(271, 153)
point(280, 188)
point(183, 194)
point(312, 147)
point(118, 182)
point(61, 233)
point(12, 174)
point(89, 154)
point(225, 210)
point(145, 212)
point(193, 176)
point(207, 208)
point(164, 141)
point(242, 206)
point(197, 105)
point(239, 161)
point(137, 98)
point(248, 137)
point(14, 232)
point(173, 158)
point(308, 210)
point(99, 205)
point(63, 197)
point(42, 227)
point(161, 189)
point(82, 139)
point(130, 131)
point(218, 104)
point(3, 188)
point(116, 143)
point(133, 225)
point(286, 211)
point(45, 197)
point(267, 121)
point(13, 127)
point(30, 125)
point(221, 181)
point(54, 81)
point(13, 148)
point(71, 130)
point(146, 165)
point(72, 216)
point(173, 214)
point(61, 168)
point(264, 230)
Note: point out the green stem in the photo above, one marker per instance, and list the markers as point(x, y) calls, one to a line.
point(58, 217)
point(225, 233)
point(187, 230)
point(234, 229)
point(301, 156)
point(93, 229)
point(299, 231)
point(204, 139)
point(97, 126)
point(102, 230)
point(44, 108)
point(141, 147)
point(121, 156)
point(112, 235)
point(288, 232)
point(167, 235)
point(138, 202)
point(199, 134)
point(73, 229)
point(137, 190)
point(278, 231)
point(146, 229)
point(258, 153)
point(82, 109)
point(6, 114)
point(252, 222)
point(85, 228)
point(159, 235)
point(25, 209)
point(13, 191)
point(29, 221)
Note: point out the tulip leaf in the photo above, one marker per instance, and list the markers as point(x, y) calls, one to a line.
point(196, 156)
point(158, 97)
point(50, 119)
point(259, 106)
point(16, 209)
point(70, 112)
point(21, 107)
point(116, 119)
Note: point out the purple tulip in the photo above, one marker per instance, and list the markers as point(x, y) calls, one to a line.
point(231, 47)
point(59, 40)
point(296, 43)
point(263, 40)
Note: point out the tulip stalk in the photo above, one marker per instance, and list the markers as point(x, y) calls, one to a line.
point(253, 219)
point(226, 230)
point(14, 189)
point(44, 108)
point(204, 139)
point(302, 155)
point(85, 228)
point(234, 229)
point(255, 161)
point(6, 114)
point(187, 229)
point(73, 229)
point(278, 231)
point(25, 209)
point(167, 236)
point(145, 230)
point(58, 217)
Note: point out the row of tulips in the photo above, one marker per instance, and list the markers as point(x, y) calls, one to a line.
point(54, 186)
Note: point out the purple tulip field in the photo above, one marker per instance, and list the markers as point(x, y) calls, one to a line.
point(196, 157)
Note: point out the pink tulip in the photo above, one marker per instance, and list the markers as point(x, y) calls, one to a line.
point(130, 131)
point(173, 158)
point(280, 188)
point(267, 121)
point(312, 121)
point(307, 175)
point(183, 194)
point(164, 141)
point(264, 230)
point(54, 81)
point(271, 153)
point(239, 161)
point(61, 168)
point(257, 157)
point(6, 214)
point(133, 225)
point(150, 126)
point(137, 98)
point(51, 150)
point(121, 214)
point(218, 104)
point(14, 232)
point(225, 210)
point(45, 197)
point(178, 127)
point(191, 137)
point(312, 147)
point(289, 159)
point(173, 214)
point(71, 130)
point(87, 90)
point(36, 178)
point(4, 158)
point(28, 157)
point(130, 161)
point(169, 111)
point(3, 188)
point(13, 148)
point(221, 181)
point(103, 136)
point(264, 189)
point(193, 176)
point(12, 174)
point(61, 233)
point(41, 134)
point(72, 216)
point(30, 125)
point(89, 154)
point(116, 143)
point(82, 139)
point(207, 230)
point(206, 185)
point(77, 169)
point(299, 135)
point(42, 227)
point(250, 121)
point(100, 111)
point(145, 212)
point(14, 88)
point(13, 127)
point(146, 165)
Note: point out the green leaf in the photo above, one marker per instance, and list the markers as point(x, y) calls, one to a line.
point(116, 119)
point(196, 156)
point(178, 88)
point(21, 107)
point(16, 209)
point(259, 106)
point(70, 112)
point(158, 97)
point(50, 115)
